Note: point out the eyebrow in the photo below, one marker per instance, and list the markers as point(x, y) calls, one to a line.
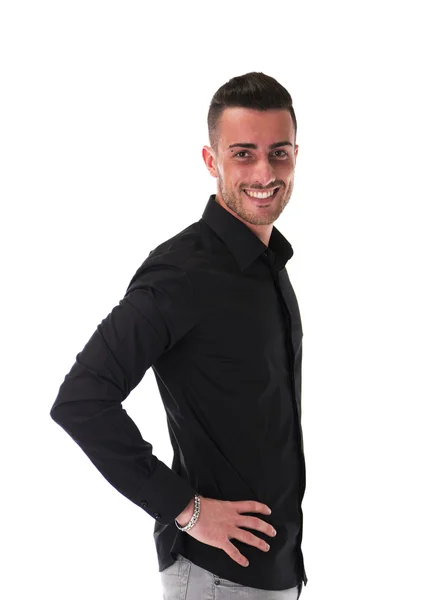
point(254, 146)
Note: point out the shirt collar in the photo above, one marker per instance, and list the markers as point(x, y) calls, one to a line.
point(241, 241)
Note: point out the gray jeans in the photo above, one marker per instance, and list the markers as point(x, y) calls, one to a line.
point(186, 581)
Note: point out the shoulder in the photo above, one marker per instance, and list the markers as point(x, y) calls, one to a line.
point(168, 265)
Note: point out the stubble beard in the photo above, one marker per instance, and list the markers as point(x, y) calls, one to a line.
point(239, 204)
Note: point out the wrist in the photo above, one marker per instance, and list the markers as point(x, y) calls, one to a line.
point(193, 518)
point(184, 517)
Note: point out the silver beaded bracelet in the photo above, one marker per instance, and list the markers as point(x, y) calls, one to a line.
point(194, 517)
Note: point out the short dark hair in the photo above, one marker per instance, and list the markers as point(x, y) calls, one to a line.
point(252, 90)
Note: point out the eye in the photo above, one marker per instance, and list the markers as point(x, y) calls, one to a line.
point(241, 152)
point(284, 153)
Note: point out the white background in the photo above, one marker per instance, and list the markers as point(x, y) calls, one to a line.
point(103, 118)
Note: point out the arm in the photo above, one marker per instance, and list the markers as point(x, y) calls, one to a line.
point(155, 313)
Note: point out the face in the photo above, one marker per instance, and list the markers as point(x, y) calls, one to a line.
point(256, 153)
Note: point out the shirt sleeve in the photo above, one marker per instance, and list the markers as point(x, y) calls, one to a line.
point(157, 311)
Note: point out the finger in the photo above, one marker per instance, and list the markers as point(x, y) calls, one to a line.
point(255, 523)
point(233, 552)
point(252, 506)
point(251, 539)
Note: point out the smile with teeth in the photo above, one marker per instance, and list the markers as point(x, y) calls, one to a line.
point(266, 194)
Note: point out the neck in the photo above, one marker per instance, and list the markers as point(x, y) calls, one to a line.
point(263, 232)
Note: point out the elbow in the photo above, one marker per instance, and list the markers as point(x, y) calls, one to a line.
point(58, 415)
point(65, 412)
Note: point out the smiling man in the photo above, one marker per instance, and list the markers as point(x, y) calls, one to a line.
point(255, 173)
point(212, 311)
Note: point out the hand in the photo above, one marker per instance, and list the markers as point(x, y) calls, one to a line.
point(220, 520)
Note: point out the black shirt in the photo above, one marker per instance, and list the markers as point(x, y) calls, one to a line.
point(213, 312)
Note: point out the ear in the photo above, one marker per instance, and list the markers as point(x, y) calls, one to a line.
point(210, 160)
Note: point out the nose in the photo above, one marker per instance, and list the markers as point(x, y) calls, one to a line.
point(263, 174)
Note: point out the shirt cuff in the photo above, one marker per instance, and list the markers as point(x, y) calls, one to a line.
point(165, 494)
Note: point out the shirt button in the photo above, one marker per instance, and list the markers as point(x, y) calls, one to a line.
point(157, 515)
point(144, 504)
point(217, 581)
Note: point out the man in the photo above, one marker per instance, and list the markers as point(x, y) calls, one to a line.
point(213, 312)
